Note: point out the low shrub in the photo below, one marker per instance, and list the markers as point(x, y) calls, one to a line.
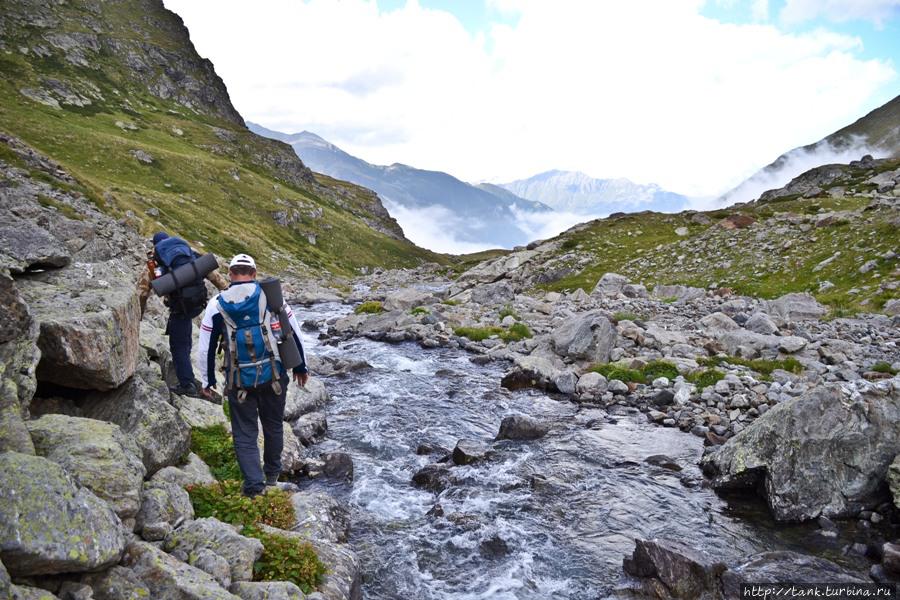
point(705, 378)
point(419, 310)
point(371, 307)
point(286, 559)
point(516, 332)
point(214, 445)
point(507, 311)
point(224, 501)
point(659, 368)
point(613, 371)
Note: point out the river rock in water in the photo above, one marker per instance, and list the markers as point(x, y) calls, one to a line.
point(683, 571)
point(521, 427)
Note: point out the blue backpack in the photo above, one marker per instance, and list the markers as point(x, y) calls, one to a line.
point(251, 357)
point(189, 300)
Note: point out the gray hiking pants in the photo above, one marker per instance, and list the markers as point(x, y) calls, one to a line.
point(260, 406)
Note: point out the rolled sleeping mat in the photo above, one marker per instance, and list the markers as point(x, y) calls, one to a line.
point(287, 347)
point(185, 275)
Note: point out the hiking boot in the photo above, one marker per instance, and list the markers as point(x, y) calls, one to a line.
point(271, 480)
point(253, 495)
point(186, 390)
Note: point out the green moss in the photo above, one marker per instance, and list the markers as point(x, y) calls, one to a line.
point(626, 316)
point(764, 367)
point(883, 367)
point(659, 368)
point(419, 310)
point(517, 332)
point(450, 302)
point(214, 445)
point(613, 371)
point(372, 307)
point(286, 558)
point(507, 311)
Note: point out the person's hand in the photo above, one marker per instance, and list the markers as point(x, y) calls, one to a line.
point(207, 393)
point(301, 378)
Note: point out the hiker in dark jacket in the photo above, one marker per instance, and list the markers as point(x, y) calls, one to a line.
point(255, 382)
point(184, 304)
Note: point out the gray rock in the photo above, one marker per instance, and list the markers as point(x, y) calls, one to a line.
point(337, 465)
point(791, 308)
point(617, 387)
point(48, 525)
point(685, 572)
point(434, 477)
point(219, 538)
point(610, 284)
point(267, 590)
point(747, 343)
point(760, 322)
point(142, 157)
point(27, 245)
point(566, 382)
point(521, 427)
point(88, 332)
point(785, 566)
point(681, 293)
point(198, 412)
point(25, 592)
point(97, 455)
point(168, 578)
point(164, 507)
point(791, 344)
point(892, 307)
point(589, 336)
point(193, 472)
point(718, 322)
point(493, 294)
point(591, 383)
point(5, 582)
point(320, 516)
point(407, 299)
point(840, 452)
point(893, 479)
point(141, 409)
point(891, 558)
point(310, 427)
point(467, 452)
point(635, 290)
point(118, 583)
point(301, 400)
point(532, 372)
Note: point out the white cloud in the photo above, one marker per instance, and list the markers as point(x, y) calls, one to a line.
point(545, 225)
point(877, 11)
point(433, 227)
point(649, 90)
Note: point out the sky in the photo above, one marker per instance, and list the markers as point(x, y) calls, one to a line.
point(694, 95)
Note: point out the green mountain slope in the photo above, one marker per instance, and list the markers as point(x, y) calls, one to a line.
point(116, 93)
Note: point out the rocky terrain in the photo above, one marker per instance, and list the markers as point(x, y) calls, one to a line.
point(99, 478)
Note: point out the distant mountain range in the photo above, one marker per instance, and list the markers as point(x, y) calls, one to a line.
point(574, 192)
point(481, 215)
point(877, 133)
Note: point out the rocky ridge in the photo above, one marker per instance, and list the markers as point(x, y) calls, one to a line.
point(95, 452)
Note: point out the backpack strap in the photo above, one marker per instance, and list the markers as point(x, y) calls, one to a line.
point(267, 340)
point(233, 381)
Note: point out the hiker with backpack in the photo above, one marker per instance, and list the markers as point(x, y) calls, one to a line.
point(255, 380)
point(184, 303)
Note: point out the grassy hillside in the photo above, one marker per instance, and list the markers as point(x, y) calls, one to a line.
point(115, 93)
point(780, 251)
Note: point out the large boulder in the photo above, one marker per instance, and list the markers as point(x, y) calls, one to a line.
point(26, 592)
point(823, 453)
point(610, 284)
point(683, 571)
point(344, 578)
point(141, 409)
point(168, 578)
point(589, 336)
point(533, 371)
point(301, 400)
point(197, 412)
point(219, 538)
point(48, 524)
point(97, 455)
point(19, 356)
point(267, 590)
point(89, 325)
point(795, 307)
point(493, 294)
point(193, 472)
point(319, 516)
point(408, 298)
point(748, 344)
point(309, 427)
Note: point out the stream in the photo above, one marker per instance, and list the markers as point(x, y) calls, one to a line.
point(550, 518)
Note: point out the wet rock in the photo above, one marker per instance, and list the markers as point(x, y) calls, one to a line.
point(220, 538)
point(566, 382)
point(48, 525)
point(791, 308)
point(433, 477)
point(97, 455)
point(309, 427)
point(589, 336)
point(663, 398)
point(467, 452)
point(784, 566)
point(118, 583)
point(493, 547)
point(891, 558)
point(302, 400)
point(841, 448)
point(168, 578)
point(338, 465)
point(320, 516)
point(267, 590)
point(164, 507)
point(141, 409)
point(661, 460)
point(684, 571)
point(521, 427)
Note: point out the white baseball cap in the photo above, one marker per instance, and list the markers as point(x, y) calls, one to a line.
point(243, 260)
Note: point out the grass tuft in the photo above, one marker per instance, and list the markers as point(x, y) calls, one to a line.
point(884, 367)
point(372, 307)
point(705, 378)
point(419, 310)
point(764, 367)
